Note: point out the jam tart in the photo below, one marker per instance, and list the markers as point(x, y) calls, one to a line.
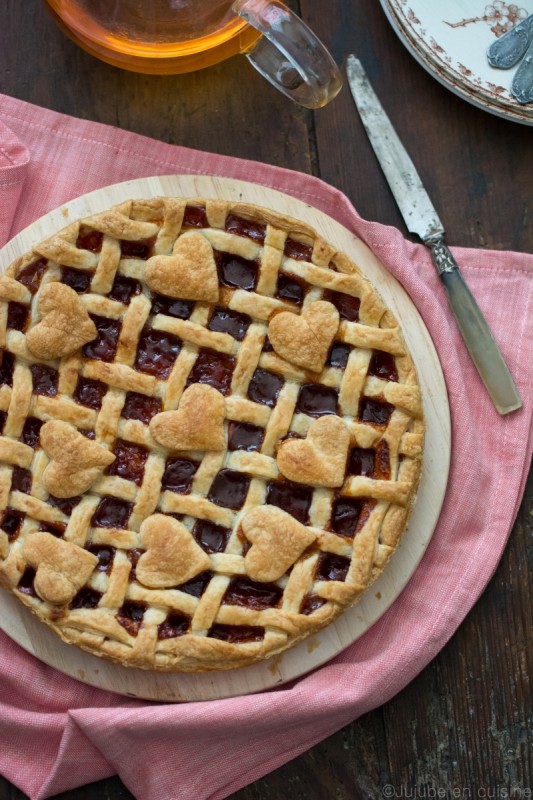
point(211, 433)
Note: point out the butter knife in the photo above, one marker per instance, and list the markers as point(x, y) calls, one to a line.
point(422, 219)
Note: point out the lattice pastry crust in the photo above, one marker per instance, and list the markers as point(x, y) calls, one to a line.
point(212, 433)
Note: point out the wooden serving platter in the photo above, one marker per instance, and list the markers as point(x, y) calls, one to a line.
point(22, 626)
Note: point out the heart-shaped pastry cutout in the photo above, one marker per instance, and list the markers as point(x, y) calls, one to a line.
point(172, 556)
point(198, 424)
point(62, 568)
point(320, 459)
point(278, 540)
point(75, 461)
point(305, 340)
point(65, 325)
point(190, 273)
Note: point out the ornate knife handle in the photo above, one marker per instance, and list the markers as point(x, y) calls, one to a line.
point(474, 330)
point(444, 261)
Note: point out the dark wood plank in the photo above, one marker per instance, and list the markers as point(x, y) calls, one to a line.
point(465, 722)
point(478, 168)
point(227, 109)
point(478, 733)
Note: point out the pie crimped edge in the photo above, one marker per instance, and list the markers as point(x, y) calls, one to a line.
point(298, 230)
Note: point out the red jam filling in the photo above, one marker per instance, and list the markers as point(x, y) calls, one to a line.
point(140, 249)
point(382, 462)
point(369, 462)
point(316, 400)
point(362, 462)
point(12, 522)
point(180, 309)
point(289, 289)
point(175, 625)
point(339, 354)
point(26, 584)
point(374, 411)
point(30, 431)
point(293, 498)
point(244, 436)
point(112, 513)
point(157, 352)
point(141, 407)
point(211, 538)
point(195, 217)
point(104, 347)
point(57, 529)
point(17, 316)
point(331, 567)
point(124, 289)
point(196, 586)
point(311, 603)
point(250, 594)
point(65, 504)
point(349, 514)
point(236, 634)
point(77, 279)
point(21, 480)
point(31, 275)
point(236, 272)
point(129, 463)
point(297, 250)
point(178, 475)
point(214, 369)
point(105, 555)
point(86, 598)
point(347, 306)
point(133, 557)
point(383, 365)
point(90, 393)
point(131, 616)
point(6, 368)
point(226, 321)
point(229, 489)
point(89, 240)
point(44, 379)
point(245, 227)
point(264, 388)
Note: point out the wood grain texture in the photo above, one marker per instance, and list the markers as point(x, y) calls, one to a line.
point(465, 722)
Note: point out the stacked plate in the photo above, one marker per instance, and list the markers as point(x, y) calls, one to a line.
point(450, 40)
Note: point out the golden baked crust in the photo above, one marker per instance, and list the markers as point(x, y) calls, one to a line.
point(211, 433)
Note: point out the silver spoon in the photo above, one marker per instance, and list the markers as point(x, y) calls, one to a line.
point(522, 85)
point(507, 51)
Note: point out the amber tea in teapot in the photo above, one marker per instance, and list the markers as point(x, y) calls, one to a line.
point(155, 35)
point(173, 36)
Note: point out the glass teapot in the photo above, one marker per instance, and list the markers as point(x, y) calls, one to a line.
point(173, 36)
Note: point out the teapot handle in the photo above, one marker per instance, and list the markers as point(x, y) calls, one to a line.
point(288, 54)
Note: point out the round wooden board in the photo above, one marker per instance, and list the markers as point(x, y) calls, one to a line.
point(22, 626)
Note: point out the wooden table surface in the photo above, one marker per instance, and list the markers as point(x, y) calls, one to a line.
point(463, 727)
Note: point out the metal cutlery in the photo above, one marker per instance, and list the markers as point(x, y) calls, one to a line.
point(422, 219)
point(507, 51)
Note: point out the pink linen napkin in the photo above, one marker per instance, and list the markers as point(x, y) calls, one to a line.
point(58, 733)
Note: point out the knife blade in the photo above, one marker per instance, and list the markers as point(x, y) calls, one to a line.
point(422, 219)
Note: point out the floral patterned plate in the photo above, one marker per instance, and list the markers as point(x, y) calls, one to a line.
point(451, 39)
